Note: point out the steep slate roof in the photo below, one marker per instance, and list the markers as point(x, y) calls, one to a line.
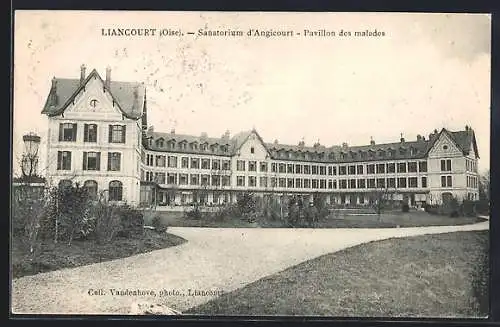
point(400, 150)
point(129, 96)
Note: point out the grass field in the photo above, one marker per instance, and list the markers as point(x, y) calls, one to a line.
point(386, 220)
point(57, 256)
point(443, 275)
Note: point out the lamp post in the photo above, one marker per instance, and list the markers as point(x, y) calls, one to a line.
point(29, 162)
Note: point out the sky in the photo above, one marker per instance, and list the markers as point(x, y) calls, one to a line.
point(427, 72)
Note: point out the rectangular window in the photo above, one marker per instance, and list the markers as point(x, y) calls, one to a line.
point(215, 164)
point(361, 183)
point(412, 182)
point(322, 170)
point(240, 165)
point(205, 180)
point(263, 182)
point(185, 162)
point(448, 181)
point(391, 182)
point(160, 161)
point(371, 183)
point(424, 181)
point(117, 133)
point(226, 164)
point(352, 170)
point(342, 170)
point(63, 160)
point(114, 161)
point(240, 180)
point(290, 183)
point(252, 166)
point(195, 179)
point(330, 170)
point(307, 183)
point(289, 169)
point(330, 184)
point(91, 160)
point(263, 167)
point(360, 169)
point(381, 183)
point(298, 169)
point(402, 182)
point(67, 132)
point(298, 183)
point(391, 168)
point(149, 160)
point(183, 179)
point(370, 169)
point(343, 184)
point(195, 163)
point(307, 169)
point(205, 163)
point(412, 167)
point(226, 181)
point(172, 178)
point(90, 133)
point(380, 168)
point(314, 170)
point(322, 183)
point(446, 165)
point(422, 166)
point(282, 182)
point(315, 183)
point(401, 167)
point(274, 167)
point(215, 180)
point(352, 183)
point(282, 168)
point(160, 178)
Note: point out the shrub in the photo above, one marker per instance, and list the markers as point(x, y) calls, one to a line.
point(107, 222)
point(405, 207)
point(132, 221)
point(193, 213)
point(158, 224)
point(247, 205)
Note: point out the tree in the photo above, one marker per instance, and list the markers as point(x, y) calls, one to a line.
point(484, 186)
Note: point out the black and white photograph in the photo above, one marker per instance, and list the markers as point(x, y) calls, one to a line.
point(311, 164)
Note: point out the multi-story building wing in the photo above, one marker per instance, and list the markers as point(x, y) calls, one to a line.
point(94, 134)
point(99, 136)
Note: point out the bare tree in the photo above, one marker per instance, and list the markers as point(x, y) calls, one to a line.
point(484, 186)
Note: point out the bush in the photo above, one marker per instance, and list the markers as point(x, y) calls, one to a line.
point(131, 221)
point(405, 207)
point(107, 222)
point(158, 224)
point(193, 213)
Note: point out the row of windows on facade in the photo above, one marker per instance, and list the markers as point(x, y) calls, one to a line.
point(194, 146)
point(251, 181)
point(91, 161)
point(114, 190)
point(242, 165)
point(470, 165)
point(472, 182)
point(68, 133)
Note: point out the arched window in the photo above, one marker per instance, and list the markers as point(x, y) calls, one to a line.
point(115, 191)
point(64, 183)
point(91, 187)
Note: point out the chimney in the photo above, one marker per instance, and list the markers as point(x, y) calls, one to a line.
point(275, 141)
point(344, 145)
point(107, 82)
point(419, 137)
point(53, 91)
point(372, 141)
point(172, 131)
point(466, 127)
point(226, 135)
point(301, 144)
point(82, 73)
point(402, 139)
point(204, 135)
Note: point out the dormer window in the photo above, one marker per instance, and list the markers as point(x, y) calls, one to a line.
point(381, 153)
point(194, 146)
point(402, 151)
point(160, 143)
point(203, 147)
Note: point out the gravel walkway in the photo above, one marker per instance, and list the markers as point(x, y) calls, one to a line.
point(213, 259)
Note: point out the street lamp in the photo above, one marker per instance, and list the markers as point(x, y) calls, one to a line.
point(29, 164)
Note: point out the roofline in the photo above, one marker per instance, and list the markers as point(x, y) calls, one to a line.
point(82, 86)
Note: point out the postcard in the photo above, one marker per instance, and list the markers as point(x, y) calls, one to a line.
point(251, 164)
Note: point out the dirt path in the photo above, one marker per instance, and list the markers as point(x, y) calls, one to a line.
point(213, 259)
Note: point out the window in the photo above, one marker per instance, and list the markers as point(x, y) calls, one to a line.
point(91, 187)
point(67, 132)
point(160, 161)
point(172, 162)
point(115, 191)
point(315, 183)
point(91, 161)
point(402, 182)
point(314, 170)
point(330, 170)
point(149, 160)
point(446, 165)
point(263, 166)
point(160, 178)
point(289, 169)
point(185, 162)
point(195, 163)
point(370, 169)
point(412, 182)
point(290, 183)
point(282, 168)
point(282, 182)
point(240, 181)
point(322, 170)
point(252, 181)
point(402, 167)
point(160, 143)
point(422, 166)
point(412, 167)
point(307, 183)
point(171, 178)
point(307, 169)
point(322, 183)
point(114, 161)
point(298, 183)
point(391, 182)
point(380, 182)
point(252, 166)
point(352, 170)
point(391, 168)
point(226, 164)
point(361, 183)
point(215, 164)
point(252, 150)
point(371, 183)
point(298, 169)
point(446, 181)
point(195, 179)
point(205, 163)
point(205, 180)
point(90, 133)
point(117, 133)
point(342, 170)
point(274, 167)
point(149, 176)
point(240, 165)
point(225, 181)
point(424, 181)
point(63, 160)
point(352, 183)
point(343, 184)
point(360, 169)
point(380, 168)
point(183, 179)
point(263, 182)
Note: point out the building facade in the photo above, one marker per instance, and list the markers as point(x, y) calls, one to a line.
point(98, 136)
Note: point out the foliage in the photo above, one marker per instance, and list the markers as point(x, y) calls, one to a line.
point(107, 222)
point(194, 212)
point(247, 206)
point(405, 207)
point(158, 224)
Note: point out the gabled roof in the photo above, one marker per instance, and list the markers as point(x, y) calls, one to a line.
point(129, 96)
point(462, 139)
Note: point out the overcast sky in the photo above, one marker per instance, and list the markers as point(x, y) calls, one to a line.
point(429, 71)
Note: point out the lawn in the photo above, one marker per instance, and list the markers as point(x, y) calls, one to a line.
point(83, 252)
point(442, 275)
point(386, 220)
